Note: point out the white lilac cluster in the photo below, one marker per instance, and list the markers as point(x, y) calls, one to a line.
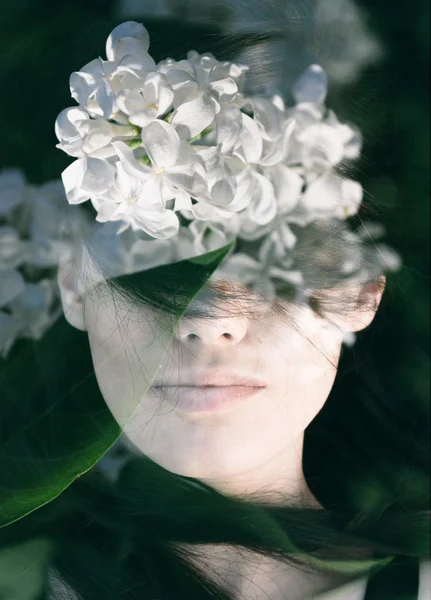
point(176, 153)
point(36, 229)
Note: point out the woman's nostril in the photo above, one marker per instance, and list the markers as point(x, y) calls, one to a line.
point(211, 332)
point(192, 337)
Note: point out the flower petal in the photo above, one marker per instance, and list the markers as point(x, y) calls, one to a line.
point(240, 267)
point(287, 236)
point(162, 226)
point(162, 144)
point(244, 186)
point(223, 192)
point(274, 152)
point(192, 117)
point(105, 208)
point(157, 92)
point(225, 89)
point(146, 254)
point(287, 187)
point(67, 122)
point(321, 197)
point(99, 135)
point(150, 197)
point(72, 178)
point(13, 250)
point(133, 58)
point(82, 84)
point(98, 176)
point(182, 201)
point(268, 117)
point(293, 277)
point(105, 99)
point(229, 125)
point(189, 173)
point(311, 86)
point(321, 145)
point(12, 284)
point(129, 30)
point(352, 193)
point(203, 211)
point(263, 206)
point(130, 164)
point(250, 141)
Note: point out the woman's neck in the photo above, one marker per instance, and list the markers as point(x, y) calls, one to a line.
point(279, 481)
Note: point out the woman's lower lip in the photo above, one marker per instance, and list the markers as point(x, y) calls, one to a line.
point(207, 399)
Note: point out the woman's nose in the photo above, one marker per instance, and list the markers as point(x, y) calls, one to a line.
point(211, 331)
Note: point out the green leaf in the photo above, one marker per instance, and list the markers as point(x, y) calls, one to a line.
point(210, 257)
point(54, 422)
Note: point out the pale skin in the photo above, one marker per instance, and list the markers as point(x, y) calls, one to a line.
point(254, 447)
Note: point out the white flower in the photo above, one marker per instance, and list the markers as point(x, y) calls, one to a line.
point(12, 284)
point(261, 210)
point(79, 135)
point(40, 228)
point(148, 100)
point(228, 179)
point(323, 146)
point(13, 250)
point(276, 151)
point(223, 79)
point(175, 171)
point(200, 85)
point(87, 177)
point(147, 254)
point(319, 141)
point(256, 273)
point(214, 234)
point(349, 135)
point(138, 203)
point(243, 268)
point(249, 144)
point(332, 196)
point(30, 314)
point(53, 226)
point(12, 190)
point(311, 86)
point(229, 125)
point(269, 117)
point(287, 184)
point(128, 39)
point(94, 87)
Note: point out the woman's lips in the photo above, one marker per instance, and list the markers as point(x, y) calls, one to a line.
point(204, 390)
point(206, 398)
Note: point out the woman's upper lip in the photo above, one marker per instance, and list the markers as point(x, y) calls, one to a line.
point(213, 379)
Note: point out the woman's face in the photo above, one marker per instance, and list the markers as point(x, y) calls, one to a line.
point(221, 396)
